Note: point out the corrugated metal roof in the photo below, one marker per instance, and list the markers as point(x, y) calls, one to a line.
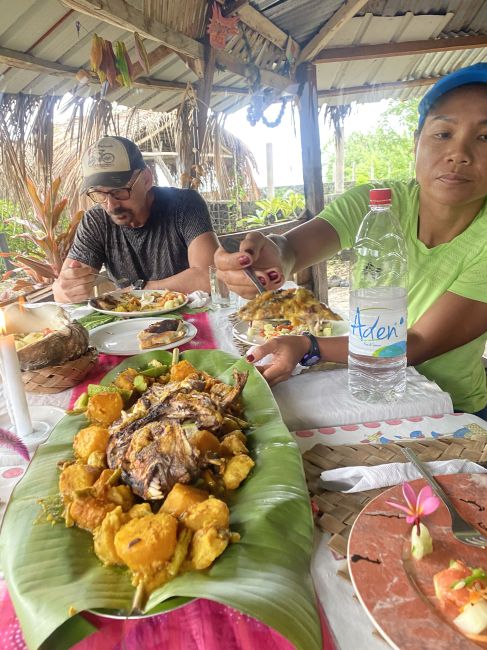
point(48, 30)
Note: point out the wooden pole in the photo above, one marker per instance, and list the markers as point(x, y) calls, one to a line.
point(312, 177)
point(270, 170)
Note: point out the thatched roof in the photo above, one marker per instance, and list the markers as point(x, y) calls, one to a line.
point(33, 144)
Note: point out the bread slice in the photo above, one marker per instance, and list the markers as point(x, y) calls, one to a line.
point(162, 332)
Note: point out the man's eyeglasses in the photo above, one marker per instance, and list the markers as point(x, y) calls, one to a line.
point(120, 194)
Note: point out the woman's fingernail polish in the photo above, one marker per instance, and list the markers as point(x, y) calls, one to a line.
point(250, 358)
point(262, 279)
point(273, 275)
point(244, 260)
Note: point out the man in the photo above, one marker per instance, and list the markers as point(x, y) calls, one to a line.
point(443, 214)
point(154, 237)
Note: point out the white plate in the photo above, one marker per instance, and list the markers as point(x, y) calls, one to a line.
point(239, 331)
point(136, 314)
point(120, 337)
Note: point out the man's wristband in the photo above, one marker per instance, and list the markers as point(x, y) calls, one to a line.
point(139, 284)
point(313, 356)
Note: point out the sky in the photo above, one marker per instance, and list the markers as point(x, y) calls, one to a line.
point(285, 138)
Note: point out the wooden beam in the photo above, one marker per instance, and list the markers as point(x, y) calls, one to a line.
point(204, 93)
point(346, 12)
point(371, 88)
point(408, 48)
point(239, 67)
point(266, 28)
point(42, 66)
point(311, 157)
point(124, 15)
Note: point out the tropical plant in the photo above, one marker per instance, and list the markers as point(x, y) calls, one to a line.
point(49, 232)
point(275, 209)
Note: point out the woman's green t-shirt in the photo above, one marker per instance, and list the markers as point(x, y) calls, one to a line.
point(459, 266)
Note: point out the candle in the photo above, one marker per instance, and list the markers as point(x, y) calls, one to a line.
point(12, 383)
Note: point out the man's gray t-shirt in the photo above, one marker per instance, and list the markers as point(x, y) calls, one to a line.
point(154, 251)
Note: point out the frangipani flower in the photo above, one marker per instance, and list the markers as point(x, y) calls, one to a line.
point(418, 505)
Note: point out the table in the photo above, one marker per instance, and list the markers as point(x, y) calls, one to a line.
point(347, 620)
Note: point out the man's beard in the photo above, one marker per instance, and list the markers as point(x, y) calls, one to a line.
point(122, 214)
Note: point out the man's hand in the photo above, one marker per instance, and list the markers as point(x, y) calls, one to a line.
point(75, 282)
point(256, 251)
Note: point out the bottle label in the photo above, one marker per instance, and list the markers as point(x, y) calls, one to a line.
point(377, 331)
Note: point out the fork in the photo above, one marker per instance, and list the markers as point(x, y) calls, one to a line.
point(233, 246)
point(461, 529)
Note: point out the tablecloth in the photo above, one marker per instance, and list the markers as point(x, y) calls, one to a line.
point(348, 621)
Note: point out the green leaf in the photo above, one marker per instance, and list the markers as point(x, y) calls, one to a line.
point(49, 569)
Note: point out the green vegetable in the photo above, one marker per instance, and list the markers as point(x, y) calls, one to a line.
point(90, 321)
point(155, 371)
point(140, 383)
point(95, 389)
point(81, 402)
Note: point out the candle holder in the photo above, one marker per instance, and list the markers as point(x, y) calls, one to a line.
point(44, 419)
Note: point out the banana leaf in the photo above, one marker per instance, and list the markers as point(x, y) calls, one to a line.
point(50, 569)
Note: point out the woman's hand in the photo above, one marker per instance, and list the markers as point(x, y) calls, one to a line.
point(256, 251)
point(287, 352)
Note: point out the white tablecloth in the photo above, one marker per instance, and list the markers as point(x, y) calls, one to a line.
point(314, 399)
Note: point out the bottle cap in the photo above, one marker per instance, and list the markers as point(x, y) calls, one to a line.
point(381, 196)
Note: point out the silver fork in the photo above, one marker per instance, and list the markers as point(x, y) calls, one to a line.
point(461, 529)
point(232, 245)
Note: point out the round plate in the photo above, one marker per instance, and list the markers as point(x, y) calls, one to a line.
point(136, 314)
point(396, 590)
point(239, 331)
point(120, 337)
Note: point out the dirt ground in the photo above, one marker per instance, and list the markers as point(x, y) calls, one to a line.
point(338, 289)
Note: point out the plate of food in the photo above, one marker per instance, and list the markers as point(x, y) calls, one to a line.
point(284, 312)
point(162, 483)
point(423, 603)
point(133, 303)
point(128, 337)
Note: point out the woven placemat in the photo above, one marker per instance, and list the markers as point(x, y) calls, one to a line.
point(336, 511)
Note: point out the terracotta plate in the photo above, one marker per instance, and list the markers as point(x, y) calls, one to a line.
point(395, 589)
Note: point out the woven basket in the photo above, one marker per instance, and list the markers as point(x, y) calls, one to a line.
point(54, 379)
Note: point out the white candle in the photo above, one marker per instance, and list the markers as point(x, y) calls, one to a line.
point(13, 385)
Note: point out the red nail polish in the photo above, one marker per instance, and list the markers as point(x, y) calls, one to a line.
point(273, 275)
point(250, 358)
point(244, 260)
point(262, 279)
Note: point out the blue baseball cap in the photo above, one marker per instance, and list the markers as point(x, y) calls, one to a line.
point(473, 74)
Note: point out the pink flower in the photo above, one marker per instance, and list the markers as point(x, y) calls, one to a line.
point(418, 505)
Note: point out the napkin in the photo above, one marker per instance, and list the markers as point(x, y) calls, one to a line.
point(360, 478)
point(198, 299)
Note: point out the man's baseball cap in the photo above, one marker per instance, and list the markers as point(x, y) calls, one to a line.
point(110, 162)
point(473, 74)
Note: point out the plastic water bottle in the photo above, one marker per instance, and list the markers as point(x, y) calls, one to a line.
point(378, 305)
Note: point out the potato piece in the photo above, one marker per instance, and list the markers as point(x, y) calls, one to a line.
point(104, 536)
point(104, 408)
point(181, 370)
point(181, 497)
point(97, 459)
point(232, 445)
point(237, 470)
point(145, 543)
point(125, 379)
point(88, 512)
point(77, 477)
point(205, 441)
point(90, 439)
point(211, 512)
point(207, 544)
point(139, 510)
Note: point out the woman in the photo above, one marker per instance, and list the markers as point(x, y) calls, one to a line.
point(444, 219)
